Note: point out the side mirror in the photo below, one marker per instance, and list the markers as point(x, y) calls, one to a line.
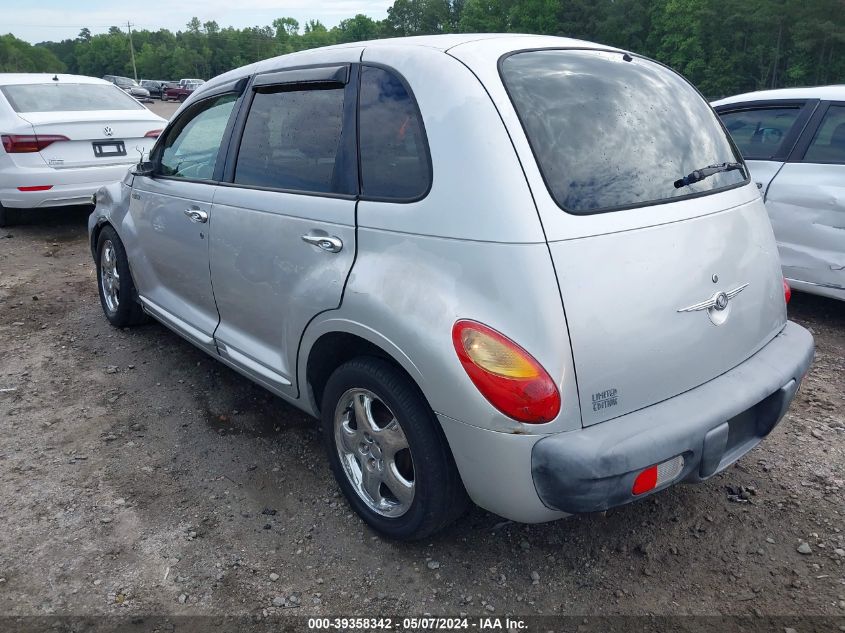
point(144, 168)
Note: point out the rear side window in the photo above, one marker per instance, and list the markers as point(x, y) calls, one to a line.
point(828, 145)
point(394, 154)
point(59, 97)
point(612, 132)
point(291, 141)
point(760, 133)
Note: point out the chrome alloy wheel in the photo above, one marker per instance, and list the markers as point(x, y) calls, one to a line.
point(109, 277)
point(374, 453)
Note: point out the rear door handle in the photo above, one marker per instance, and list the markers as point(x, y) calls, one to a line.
point(328, 243)
point(197, 215)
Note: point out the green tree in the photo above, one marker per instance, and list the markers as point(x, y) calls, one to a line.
point(357, 29)
point(17, 56)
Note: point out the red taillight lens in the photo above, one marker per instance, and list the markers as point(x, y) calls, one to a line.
point(508, 376)
point(36, 188)
point(787, 291)
point(29, 143)
point(153, 133)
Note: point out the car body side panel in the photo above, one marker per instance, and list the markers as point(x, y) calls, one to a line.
point(268, 282)
point(411, 289)
point(169, 254)
point(806, 203)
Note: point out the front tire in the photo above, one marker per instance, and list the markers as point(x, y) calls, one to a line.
point(387, 451)
point(114, 281)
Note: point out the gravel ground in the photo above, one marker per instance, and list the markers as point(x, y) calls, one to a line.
point(140, 476)
point(164, 109)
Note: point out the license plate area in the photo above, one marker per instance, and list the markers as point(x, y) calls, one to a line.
point(103, 149)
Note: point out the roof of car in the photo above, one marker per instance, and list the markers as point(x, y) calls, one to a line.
point(504, 41)
point(46, 78)
point(831, 93)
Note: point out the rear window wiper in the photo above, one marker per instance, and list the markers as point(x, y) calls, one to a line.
point(705, 172)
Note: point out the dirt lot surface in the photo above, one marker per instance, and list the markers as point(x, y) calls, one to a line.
point(140, 476)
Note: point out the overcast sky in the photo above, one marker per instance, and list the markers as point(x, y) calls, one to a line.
point(40, 20)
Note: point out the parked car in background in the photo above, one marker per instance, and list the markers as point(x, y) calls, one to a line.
point(180, 92)
point(130, 86)
point(794, 143)
point(154, 86)
point(64, 136)
point(385, 235)
point(184, 82)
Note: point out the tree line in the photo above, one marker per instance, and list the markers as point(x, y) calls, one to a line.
point(722, 46)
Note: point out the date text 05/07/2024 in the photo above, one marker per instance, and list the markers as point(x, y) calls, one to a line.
point(418, 624)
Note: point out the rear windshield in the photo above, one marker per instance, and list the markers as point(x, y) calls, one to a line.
point(60, 97)
point(610, 134)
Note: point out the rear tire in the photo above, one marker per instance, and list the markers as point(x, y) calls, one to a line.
point(395, 468)
point(8, 217)
point(182, 98)
point(118, 296)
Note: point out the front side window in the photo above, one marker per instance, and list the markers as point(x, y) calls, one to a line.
point(191, 147)
point(612, 131)
point(291, 141)
point(394, 156)
point(759, 133)
point(828, 145)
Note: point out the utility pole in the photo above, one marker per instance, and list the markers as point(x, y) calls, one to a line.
point(132, 50)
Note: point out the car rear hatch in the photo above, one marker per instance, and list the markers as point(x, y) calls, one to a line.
point(74, 127)
point(664, 287)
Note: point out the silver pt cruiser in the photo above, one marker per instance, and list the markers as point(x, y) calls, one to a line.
point(525, 271)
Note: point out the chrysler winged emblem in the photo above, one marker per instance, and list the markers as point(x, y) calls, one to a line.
point(716, 305)
point(108, 131)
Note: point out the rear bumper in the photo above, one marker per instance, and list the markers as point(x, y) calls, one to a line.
point(67, 186)
point(712, 426)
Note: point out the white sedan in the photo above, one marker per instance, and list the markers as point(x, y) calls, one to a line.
point(794, 143)
point(63, 137)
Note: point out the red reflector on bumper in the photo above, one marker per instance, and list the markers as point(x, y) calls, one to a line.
point(36, 188)
point(657, 475)
point(645, 481)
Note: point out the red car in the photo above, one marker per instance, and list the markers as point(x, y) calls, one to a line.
point(180, 92)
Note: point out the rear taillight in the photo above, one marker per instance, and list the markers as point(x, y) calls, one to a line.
point(36, 188)
point(787, 291)
point(29, 143)
point(153, 133)
point(508, 376)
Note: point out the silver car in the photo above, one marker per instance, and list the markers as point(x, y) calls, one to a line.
point(794, 142)
point(525, 271)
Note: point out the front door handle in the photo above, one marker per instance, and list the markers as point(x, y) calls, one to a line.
point(197, 215)
point(328, 243)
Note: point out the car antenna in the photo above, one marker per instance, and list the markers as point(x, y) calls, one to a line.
point(55, 77)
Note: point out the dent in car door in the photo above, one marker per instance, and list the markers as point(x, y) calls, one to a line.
point(171, 212)
point(806, 203)
point(284, 227)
